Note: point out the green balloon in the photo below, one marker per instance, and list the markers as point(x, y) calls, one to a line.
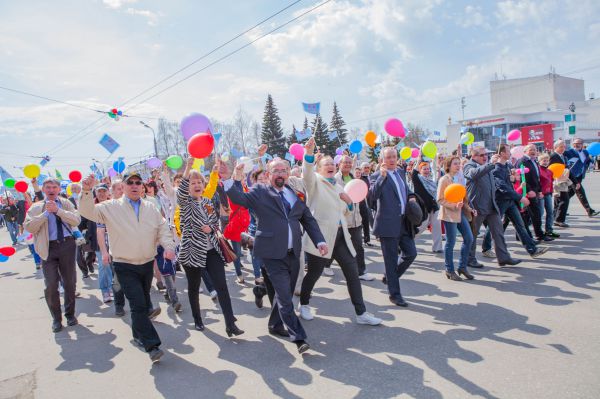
point(174, 162)
point(10, 183)
point(111, 115)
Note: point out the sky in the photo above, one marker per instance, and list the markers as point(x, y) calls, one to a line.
point(377, 59)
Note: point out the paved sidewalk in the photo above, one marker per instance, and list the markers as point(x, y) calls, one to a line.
point(526, 332)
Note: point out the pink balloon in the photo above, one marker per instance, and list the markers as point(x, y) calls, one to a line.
point(394, 127)
point(297, 151)
point(415, 153)
point(513, 135)
point(356, 189)
point(337, 159)
point(526, 170)
point(193, 124)
point(112, 172)
point(518, 152)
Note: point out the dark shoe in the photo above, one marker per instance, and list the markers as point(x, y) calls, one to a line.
point(302, 345)
point(452, 276)
point(198, 325)
point(539, 252)
point(119, 311)
point(153, 313)
point(155, 354)
point(552, 235)
point(544, 238)
point(56, 326)
point(233, 330)
point(593, 213)
point(510, 262)
point(282, 332)
point(384, 279)
point(177, 307)
point(72, 321)
point(138, 342)
point(259, 293)
point(561, 224)
point(476, 265)
point(368, 244)
point(85, 276)
point(160, 286)
point(91, 270)
point(465, 274)
point(398, 301)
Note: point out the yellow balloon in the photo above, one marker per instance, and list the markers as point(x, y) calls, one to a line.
point(429, 149)
point(31, 171)
point(405, 152)
point(69, 191)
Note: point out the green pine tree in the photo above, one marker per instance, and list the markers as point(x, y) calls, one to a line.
point(319, 129)
point(305, 125)
point(337, 124)
point(272, 133)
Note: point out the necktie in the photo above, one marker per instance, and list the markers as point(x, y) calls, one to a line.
point(286, 204)
point(402, 192)
point(59, 229)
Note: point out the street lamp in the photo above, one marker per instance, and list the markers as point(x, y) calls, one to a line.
point(153, 136)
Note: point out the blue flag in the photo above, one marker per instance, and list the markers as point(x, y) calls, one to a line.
point(236, 153)
point(311, 108)
point(303, 134)
point(332, 135)
point(497, 132)
point(289, 157)
point(44, 161)
point(109, 143)
point(437, 133)
point(217, 136)
point(4, 174)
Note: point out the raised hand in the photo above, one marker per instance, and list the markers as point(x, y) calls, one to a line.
point(262, 150)
point(88, 183)
point(309, 147)
point(383, 170)
point(238, 172)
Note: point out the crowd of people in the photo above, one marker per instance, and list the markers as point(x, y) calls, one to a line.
point(293, 222)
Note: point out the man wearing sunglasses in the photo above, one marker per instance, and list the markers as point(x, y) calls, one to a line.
point(134, 228)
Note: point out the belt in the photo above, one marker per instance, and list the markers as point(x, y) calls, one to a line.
point(58, 242)
point(290, 251)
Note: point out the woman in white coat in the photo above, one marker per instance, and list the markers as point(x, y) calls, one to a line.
point(328, 203)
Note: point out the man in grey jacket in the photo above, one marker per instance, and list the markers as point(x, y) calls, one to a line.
point(481, 190)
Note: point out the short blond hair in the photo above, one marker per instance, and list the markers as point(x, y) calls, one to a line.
point(194, 174)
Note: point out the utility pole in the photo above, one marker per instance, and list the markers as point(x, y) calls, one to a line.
point(153, 136)
point(463, 105)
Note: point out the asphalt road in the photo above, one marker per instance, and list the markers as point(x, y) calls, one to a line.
point(526, 332)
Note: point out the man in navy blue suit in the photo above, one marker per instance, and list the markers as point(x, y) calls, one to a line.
point(280, 213)
point(579, 161)
point(389, 190)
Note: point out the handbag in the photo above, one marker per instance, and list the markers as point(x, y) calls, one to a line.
point(225, 246)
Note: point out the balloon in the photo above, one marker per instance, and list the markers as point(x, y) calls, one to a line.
point(517, 152)
point(357, 190)
point(594, 149)
point(69, 190)
point(405, 153)
point(467, 138)
point(339, 151)
point(513, 135)
point(10, 183)
point(248, 165)
point(114, 111)
point(111, 172)
point(394, 127)
point(297, 151)
point(225, 157)
point(355, 147)
point(174, 162)
point(111, 115)
point(32, 170)
point(370, 138)
point(3, 258)
point(75, 176)
point(120, 113)
point(337, 159)
point(193, 124)
point(153, 163)
point(201, 145)
point(415, 153)
point(429, 149)
point(7, 251)
point(21, 186)
point(455, 192)
point(119, 166)
point(557, 169)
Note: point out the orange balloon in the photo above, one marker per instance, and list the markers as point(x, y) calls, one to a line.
point(455, 192)
point(370, 138)
point(557, 170)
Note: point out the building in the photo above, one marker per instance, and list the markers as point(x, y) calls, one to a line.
point(544, 108)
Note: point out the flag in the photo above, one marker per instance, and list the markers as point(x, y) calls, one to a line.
point(311, 108)
point(289, 157)
point(109, 143)
point(236, 153)
point(437, 133)
point(217, 136)
point(497, 132)
point(4, 174)
point(303, 134)
point(267, 157)
point(58, 175)
point(198, 163)
point(44, 161)
point(332, 135)
point(463, 129)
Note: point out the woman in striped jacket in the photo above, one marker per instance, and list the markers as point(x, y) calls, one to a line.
point(199, 246)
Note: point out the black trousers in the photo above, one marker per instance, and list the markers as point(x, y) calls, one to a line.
point(85, 261)
point(117, 289)
point(136, 281)
point(580, 192)
point(532, 216)
point(367, 220)
point(341, 254)
point(216, 270)
point(561, 206)
point(357, 243)
point(60, 266)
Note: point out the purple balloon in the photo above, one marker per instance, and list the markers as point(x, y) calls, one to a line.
point(339, 151)
point(153, 163)
point(193, 124)
point(337, 159)
point(112, 172)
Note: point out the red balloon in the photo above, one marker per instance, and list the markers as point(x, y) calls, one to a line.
point(75, 176)
point(7, 251)
point(21, 186)
point(114, 111)
point(201, 145)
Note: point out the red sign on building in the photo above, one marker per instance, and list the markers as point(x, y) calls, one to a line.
point(538, 134)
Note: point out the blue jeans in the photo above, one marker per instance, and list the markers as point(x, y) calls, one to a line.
point(546, 204)
point(465, 231)
point(36, 257)
point(256, 264)
point(13, 230)
point(105, 276)
point(237, 247)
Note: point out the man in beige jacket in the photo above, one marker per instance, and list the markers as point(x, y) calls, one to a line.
point(51, 222)
point(134, 228)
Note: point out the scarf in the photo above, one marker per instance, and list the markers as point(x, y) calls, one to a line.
point(429, 185)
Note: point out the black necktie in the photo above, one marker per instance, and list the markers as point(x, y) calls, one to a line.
point(59, 229)
point(286, 204)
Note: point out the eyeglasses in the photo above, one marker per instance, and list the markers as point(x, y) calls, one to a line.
point(136, 182)
point(279, 172)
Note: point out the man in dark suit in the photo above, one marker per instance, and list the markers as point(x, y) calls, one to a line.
point(534, 192)
point(280, 213)
point(579, 161)
point(389, 190)
point(561, 202)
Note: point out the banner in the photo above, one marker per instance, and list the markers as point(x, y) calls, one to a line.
point(109, 143)
point(303, 134)
point(332, 135)
point(311, 108)
point(4, 174)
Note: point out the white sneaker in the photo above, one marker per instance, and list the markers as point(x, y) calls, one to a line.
point(489, 253)
point(366, 277)
point(328, 272)
point(305, 312)
point(213, 294)
point(368, 319)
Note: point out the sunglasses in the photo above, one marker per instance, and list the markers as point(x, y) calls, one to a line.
point(136, 182)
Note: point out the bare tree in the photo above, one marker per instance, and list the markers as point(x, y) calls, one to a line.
point(241, 124)
point(255, 130)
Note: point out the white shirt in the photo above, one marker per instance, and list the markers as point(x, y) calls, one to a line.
point(397, 181)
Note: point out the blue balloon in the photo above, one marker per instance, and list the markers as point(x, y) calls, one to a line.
point(3, 258)
point(120, 113)
point(355, 147)
point(594, 149)
point(119, 166)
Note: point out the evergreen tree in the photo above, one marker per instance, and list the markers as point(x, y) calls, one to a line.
point(291, 139)
point(337, 124)
point(305, 125)
point(319, 129)
point(272, 133)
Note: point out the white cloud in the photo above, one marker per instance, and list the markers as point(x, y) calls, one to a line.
point(152, 17)
point(115, 4)
point(520, 12)
point(472, 16)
